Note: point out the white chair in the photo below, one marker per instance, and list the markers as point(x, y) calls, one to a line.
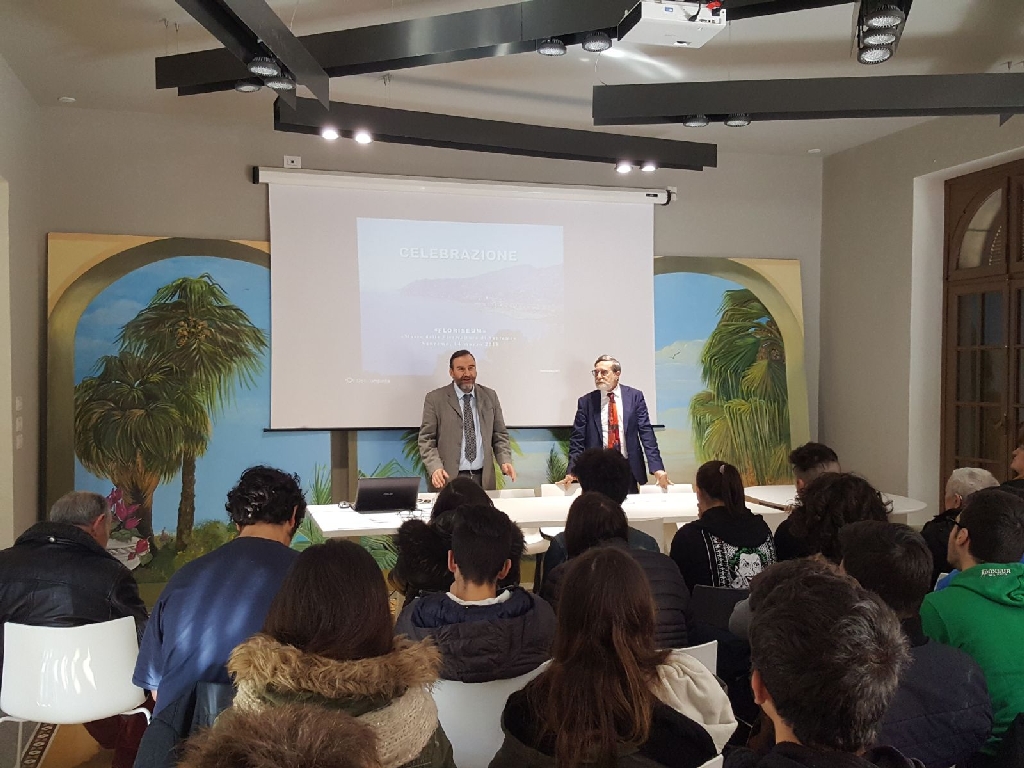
point(706, 654)
point(513, 493)
point(674, 488)
point(715, 762)
point(66, 675)
point(470, 714)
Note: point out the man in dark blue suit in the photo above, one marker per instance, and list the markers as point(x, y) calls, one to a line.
point(615, 416)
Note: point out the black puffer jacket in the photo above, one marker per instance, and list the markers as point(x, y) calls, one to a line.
point(422, 565)
point(479, 643)
point(790, 755)
point(936, 533)
point(57, 575)
point(671, 597)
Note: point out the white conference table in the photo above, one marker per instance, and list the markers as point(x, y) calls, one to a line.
point(657, 514)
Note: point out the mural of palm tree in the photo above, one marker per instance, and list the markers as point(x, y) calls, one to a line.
point(411, 453)
point(743, 415)
point(133, 421)
point(558, 456)
point(215, 347)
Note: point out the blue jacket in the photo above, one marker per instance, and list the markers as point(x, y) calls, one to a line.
point(636, 430)
point(479, 643)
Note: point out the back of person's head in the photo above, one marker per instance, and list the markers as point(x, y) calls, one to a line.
point(829, 502)
point(891, 560)
point(808, 569)
point(79, 508)
point(596, 692)
point(994, 520)
point(459, 491)
point(813, 459)
point(266, 495)
point(482, 542)
point(333, 603)
point(829, 654)
point(721, 482)
point(285, 736)
point(603, 470)
point(964, 481)
point(592, 519)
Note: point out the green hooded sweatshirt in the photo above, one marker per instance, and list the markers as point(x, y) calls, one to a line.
point(982, 613)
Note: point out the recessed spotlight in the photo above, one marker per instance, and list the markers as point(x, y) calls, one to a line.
point(649, 167)
point(878, 37)
point(551, 47)
point(264, 66)
point(280, 83)
point(682, 43)
point(737, 121)
point(66, 99)
point(696, 121)
point(624, 166)
point(884, 17)
point(595, 42)
point(247, 86)
point(814, 151)
point(329, 133)
point(362, 137)
point(874, 54)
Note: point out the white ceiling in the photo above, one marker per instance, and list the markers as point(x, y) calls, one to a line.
point(101, 52)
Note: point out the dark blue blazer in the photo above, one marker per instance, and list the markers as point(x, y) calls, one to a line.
point(586, 431)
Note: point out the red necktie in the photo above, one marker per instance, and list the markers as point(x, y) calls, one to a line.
point(613, 423)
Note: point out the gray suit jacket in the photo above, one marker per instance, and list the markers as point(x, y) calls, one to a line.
point(441, 432)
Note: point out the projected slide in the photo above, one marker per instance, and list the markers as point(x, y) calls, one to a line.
point(427, 288)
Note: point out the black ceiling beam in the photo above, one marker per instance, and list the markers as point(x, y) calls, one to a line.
point(478, 34)
point(466, 133)
point(811, 99)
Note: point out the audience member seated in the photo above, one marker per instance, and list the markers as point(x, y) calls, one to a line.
point(727, 544)
point(605, 471)
point(962, 483)
point(809, 461)
point(827, 656)
point(59, 574)
point(595, 519)
point(1017, 463)
point(422, 565)
point(484, 633)
point(291, 736)
point(609, 698)
point(215, 602)
point(941, 713)
point(982, 610)
point(328, 646)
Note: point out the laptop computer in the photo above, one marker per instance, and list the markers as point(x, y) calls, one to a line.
point(386, 494)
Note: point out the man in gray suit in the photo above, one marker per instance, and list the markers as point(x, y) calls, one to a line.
point(463, 431)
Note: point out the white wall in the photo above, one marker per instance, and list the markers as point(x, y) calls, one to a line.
point(881, 295)
point(22, 275)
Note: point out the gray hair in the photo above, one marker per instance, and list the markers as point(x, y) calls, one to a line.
point(616, 368)
point(966, 480)
point(79, 508)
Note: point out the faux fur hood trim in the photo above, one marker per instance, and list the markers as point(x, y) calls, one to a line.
point(263, 664)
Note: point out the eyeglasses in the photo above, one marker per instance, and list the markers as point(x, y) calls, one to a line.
point(597, 373)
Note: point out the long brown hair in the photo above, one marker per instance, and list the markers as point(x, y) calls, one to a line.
point(596, 694)
point(333, 603)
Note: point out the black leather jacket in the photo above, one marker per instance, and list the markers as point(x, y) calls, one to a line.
point(57, 575)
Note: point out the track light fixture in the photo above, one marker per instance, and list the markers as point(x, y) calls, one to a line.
point(264, 66)
point(283, 82)
point(883, 16)
point(878, 37)
point(737, 121)
point(879, 28)
point(247, 86)
point(649, 167)
point(595, 42)
point(874, 54)
point(551, 47)
point(624, 166)
point(362, 137)
point(696, 121)
point(330, 133)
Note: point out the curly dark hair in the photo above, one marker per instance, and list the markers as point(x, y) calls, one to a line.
point(831, 501)
point(266, 495)
point(812, 459)
point(605, 471)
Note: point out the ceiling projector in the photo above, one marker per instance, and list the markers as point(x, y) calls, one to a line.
point(666, 22)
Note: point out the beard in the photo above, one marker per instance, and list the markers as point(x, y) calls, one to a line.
point(605, 386)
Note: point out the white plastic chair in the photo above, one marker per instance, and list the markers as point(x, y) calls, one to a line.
point(470, 714)
point(553, 489)
point(715, 762)
point(513, 493)
point(674, 488)
point(706, 654)
point(66, 675)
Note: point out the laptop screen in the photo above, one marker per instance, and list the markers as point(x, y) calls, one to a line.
point(380, 494)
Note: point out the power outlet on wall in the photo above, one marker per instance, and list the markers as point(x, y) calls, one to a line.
point(292, 161)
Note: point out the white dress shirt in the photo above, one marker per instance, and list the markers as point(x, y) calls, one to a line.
point(622, 419)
